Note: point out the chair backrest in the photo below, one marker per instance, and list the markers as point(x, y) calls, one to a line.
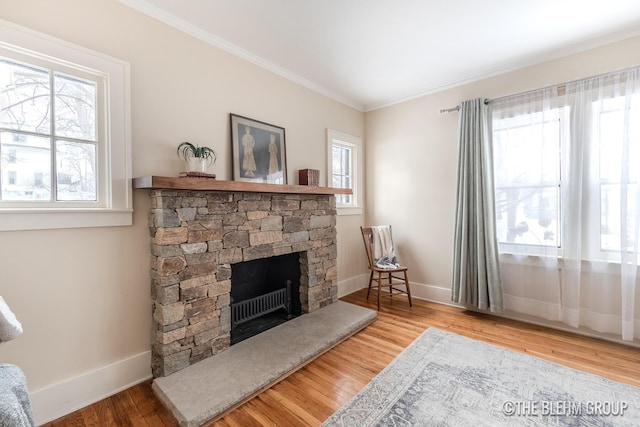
point(368, 244)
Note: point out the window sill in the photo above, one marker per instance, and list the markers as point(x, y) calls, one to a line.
point(587, 266)
point(348, 211)
point(46, 219)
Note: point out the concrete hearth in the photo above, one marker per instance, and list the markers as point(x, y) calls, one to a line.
point(208, 389)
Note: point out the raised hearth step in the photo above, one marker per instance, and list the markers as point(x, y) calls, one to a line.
point(212, 386)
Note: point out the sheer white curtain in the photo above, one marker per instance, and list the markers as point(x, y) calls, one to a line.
point(567, 163)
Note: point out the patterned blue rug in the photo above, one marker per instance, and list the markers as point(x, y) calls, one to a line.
point(444, 379)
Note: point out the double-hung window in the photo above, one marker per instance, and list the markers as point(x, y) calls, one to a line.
point(527, 165)
point(51, 134)
point(64, 134)
point(344, 169)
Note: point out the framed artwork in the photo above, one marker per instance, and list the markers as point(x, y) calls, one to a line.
point(258, 151)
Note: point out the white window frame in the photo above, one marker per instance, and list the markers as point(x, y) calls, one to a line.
point(591, 208)
point(354, 143)
point(115, 206)
point(613, 104)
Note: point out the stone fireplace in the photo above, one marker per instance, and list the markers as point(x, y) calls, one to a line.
point(196, 237)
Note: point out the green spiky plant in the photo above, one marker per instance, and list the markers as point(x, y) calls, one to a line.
point(187, 149)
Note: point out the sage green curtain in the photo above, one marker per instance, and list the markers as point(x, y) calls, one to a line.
point(476, 269)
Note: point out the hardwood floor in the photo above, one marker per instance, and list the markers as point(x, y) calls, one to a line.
point(313, 393)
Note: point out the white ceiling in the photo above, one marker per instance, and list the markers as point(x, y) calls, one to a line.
point(372, 53)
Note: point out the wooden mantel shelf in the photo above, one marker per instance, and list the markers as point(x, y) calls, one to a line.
point(208, 184)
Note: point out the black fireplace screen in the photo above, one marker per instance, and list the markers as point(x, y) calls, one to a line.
point(264, 293)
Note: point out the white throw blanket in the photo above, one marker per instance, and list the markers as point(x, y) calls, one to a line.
point(384, 255)
point(10, 327)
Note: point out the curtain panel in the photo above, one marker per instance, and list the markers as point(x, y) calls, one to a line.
point(476, 270)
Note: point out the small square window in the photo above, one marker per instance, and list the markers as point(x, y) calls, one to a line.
point(343, 167)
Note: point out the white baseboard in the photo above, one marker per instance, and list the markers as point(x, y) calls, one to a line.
point(352, 284)
point(58, 400)
point(418, 290)
point(432, 293)
point(443, 296)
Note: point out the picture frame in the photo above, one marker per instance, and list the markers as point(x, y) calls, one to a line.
point(258, 151)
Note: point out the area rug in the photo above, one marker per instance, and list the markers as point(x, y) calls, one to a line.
point(443, 379)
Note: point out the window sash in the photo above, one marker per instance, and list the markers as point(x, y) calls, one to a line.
point(527, 180)
point(614, 122)
point(48, 194)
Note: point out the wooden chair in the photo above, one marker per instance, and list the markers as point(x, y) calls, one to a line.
point(385, 277)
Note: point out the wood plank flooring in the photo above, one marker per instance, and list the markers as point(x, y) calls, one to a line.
point(313, 393)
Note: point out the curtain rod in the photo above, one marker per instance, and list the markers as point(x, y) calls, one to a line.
point(457, 107)
point(559, 86)
point(450, 110)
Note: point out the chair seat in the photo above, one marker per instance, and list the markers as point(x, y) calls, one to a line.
point(389, 270)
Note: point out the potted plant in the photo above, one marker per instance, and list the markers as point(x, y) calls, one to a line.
point(197, 159)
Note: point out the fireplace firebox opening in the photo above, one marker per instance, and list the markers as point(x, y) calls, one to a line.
point(264, 293)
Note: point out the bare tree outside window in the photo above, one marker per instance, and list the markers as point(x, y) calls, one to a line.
point(47, 130)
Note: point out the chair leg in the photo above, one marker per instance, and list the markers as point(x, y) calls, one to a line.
point(369, 288)
point(379, 288)
point(390, 285)
point(406, 283)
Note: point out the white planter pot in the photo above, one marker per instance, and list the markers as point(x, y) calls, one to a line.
point(197, 164)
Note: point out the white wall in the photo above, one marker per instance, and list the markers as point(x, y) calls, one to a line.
point(83, 295)
point(412, 159)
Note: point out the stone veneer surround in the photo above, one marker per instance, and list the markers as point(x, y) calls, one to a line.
point(195, 237)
